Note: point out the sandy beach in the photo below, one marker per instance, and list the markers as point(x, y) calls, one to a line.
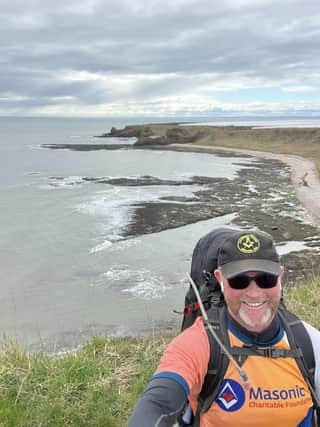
point(304, 176)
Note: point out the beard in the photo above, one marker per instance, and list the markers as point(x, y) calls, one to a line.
point(260, 324)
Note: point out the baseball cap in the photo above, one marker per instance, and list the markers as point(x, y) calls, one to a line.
point(244, 251)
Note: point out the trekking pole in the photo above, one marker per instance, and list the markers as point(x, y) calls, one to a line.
point(241, 372)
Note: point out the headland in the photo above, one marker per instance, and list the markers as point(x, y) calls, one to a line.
point(285, 156)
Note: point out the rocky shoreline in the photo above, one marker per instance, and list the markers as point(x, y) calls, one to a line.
point(262, 195)
point(275, 210)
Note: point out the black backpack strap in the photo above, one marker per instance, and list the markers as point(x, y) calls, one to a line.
point(218, 361)
point(299, 338)
point(253, 350)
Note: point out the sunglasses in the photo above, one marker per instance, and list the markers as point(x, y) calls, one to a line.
point(264, 281)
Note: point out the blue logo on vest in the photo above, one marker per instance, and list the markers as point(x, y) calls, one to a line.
point(231, 396)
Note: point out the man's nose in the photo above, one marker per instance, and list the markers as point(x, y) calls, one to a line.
point(253, 288)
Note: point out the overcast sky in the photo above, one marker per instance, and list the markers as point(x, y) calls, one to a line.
point(159, 57)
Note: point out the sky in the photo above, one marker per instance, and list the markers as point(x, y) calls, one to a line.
point(98, 58)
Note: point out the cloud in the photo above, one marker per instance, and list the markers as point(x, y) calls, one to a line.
point(300, 89)
point(69, 56)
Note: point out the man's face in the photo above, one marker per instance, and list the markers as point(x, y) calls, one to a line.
point(253, 307)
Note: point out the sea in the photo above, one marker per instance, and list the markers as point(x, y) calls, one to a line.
point(68, 271)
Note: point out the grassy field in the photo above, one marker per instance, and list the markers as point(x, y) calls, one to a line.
point(96, 386)
point(303, 142)
point(99, 385)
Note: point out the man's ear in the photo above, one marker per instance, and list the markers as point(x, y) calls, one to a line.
point(281, 275)
point(281, 272)
point(218, 275)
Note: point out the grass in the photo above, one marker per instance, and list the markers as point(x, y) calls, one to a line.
point(304, 301)
point(98, 385)
point(303, 142)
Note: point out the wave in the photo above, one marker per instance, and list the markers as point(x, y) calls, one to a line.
point(147, 285)
point(114, 207)
point(101, 247)
point(57, 182)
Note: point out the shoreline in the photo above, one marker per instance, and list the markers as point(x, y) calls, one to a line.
point(304, 175)
point(301, 142)
point(261, 195)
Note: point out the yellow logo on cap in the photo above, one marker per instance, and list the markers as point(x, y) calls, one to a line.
point(248, 244)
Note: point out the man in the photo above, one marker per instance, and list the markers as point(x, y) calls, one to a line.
point(250, 273)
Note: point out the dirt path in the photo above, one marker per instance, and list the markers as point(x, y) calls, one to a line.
point(304, 176)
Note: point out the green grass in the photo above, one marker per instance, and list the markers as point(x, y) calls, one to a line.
point(303, 142)
point(305, 301)
point(98, 385)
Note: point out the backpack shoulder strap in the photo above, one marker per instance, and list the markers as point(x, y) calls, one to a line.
point(218, 361)
point(299, 338)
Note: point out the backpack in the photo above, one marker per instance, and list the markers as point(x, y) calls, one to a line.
point(203, 264)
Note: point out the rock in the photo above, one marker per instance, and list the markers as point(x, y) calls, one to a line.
point(127, 132)
point(181, 135)
point(87, 147)
point(173, 135)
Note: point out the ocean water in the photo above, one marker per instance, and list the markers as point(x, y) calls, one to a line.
point(67, 269)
